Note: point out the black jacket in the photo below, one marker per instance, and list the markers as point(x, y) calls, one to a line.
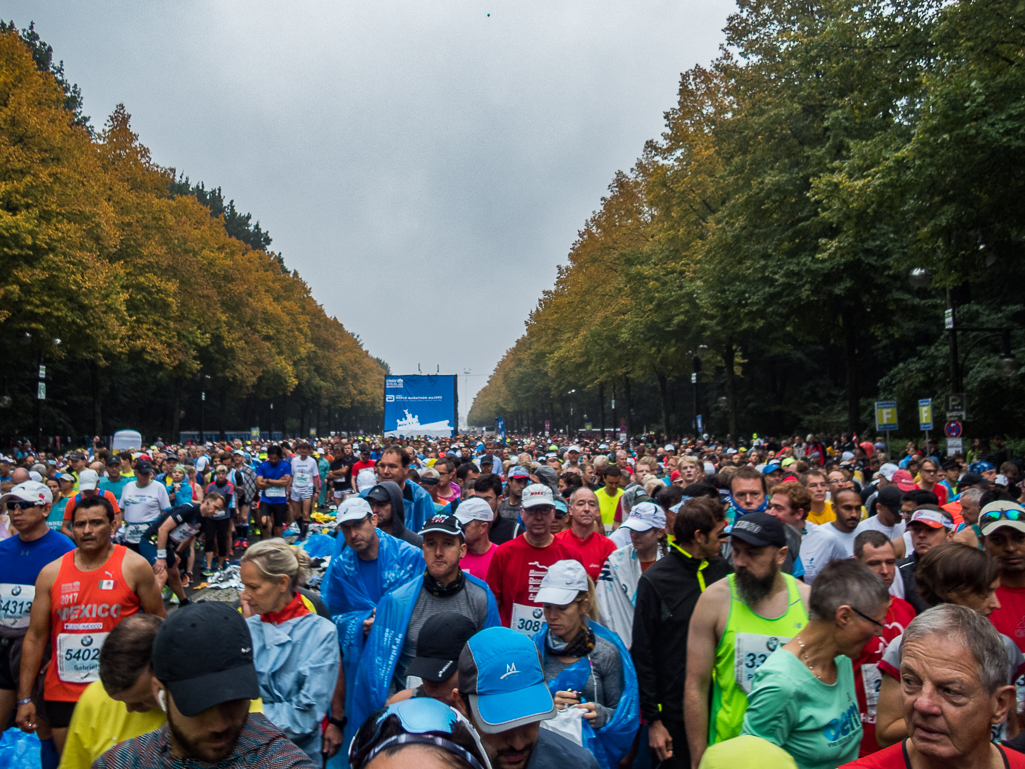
point(666, 595)
point(906, 569)
point(398, 514)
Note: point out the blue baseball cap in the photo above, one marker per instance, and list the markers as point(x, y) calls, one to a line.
point(519, 472)
point(500, 671)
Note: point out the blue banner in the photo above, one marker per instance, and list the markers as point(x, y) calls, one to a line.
point(420, 405)
point(501, 428)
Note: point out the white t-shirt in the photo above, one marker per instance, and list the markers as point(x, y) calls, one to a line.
point(826, 543)
point(303, 474)
point(873, 524)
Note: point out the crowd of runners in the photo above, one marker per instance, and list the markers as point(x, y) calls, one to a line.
point(528, 603)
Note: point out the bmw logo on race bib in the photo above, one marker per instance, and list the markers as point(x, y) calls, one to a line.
point(16, 590)
point(87, 641)
point(772, 644)
point(538, 613)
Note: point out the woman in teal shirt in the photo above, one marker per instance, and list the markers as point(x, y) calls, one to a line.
point(803, 697)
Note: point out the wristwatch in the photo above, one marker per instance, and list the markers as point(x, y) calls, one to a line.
point(24, 701)
point(339, 722)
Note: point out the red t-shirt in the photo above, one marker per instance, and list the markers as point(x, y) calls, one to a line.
point(361, 465)
point(1009, 619)
point(591, 552)
point(515, 575)
point(866, 670)
point(939, 490)
point(896, 757)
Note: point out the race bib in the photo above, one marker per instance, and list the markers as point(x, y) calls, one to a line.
point(873, 681)
point(750, 653)
point(134, 532)
point(182, 532)
point(527, 619)
point(78, 657)
point(302, 480)
point(274, 492)
point(16, 605)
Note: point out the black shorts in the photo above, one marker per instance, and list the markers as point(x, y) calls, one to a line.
point(58, 714)
point(278, 512)
point(10, 662)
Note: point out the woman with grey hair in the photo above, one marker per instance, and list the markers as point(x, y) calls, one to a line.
point(954, 690)
point(803, 698)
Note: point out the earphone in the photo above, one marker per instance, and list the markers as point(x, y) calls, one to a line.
point(160, 699)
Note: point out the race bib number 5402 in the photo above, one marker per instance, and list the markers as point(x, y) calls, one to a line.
point(78, 657)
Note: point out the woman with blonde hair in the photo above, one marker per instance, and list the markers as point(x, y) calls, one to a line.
point(586, 667)
point(295, 651)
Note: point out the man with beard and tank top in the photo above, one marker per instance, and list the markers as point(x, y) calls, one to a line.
point(737, 623)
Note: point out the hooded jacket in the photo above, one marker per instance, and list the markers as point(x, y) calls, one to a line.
point(398, 515)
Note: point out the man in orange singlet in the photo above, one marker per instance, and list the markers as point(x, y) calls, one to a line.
point(79, 599)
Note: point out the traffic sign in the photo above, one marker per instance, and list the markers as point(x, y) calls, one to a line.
point(952, 429)
point(954, 445)
point(925, 414)
point(548, 427)
point(886, 416)
point(254, 432)
point(622, 430)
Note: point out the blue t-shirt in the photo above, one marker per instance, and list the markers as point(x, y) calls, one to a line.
point(20, 564)
point(278, 494)
point(370, 575)
point(114, 487)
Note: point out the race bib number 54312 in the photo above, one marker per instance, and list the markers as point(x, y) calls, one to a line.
point(16, 605)
point(527, 619)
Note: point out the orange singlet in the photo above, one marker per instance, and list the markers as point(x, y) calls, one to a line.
point(84, 607)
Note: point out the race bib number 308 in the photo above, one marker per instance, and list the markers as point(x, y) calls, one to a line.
point(751, 652)
point(16, 605)
point(527, 619)
point(78, 657)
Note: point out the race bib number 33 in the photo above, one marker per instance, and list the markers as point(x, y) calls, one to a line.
point(78, 657)
point(751, 652)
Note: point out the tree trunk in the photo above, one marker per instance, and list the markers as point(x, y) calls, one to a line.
point(629, 406)
point(96, 384)
point(729, 360)
point(850, 344)
point(176, 411)
point(222, 417)
point(601, 408)
point(663, 397)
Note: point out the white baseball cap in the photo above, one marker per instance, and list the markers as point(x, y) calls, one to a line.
point(574, 447)
point(88, 480)
point(474, 509)
point(353, 509)
point(562, 584)
point(887, 470)
point(365, 479)
point(28, 491)
point(669, 447)
point(645, 516)
point(537, 494)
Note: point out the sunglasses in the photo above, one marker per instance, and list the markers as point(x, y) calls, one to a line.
point(423, 721)
point(864, 616)
point(20, 505)
point(996, 515)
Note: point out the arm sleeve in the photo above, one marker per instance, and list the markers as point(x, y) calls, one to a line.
point(646, 616)
point(611, 687)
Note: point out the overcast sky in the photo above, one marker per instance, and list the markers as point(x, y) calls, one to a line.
point(424, 165)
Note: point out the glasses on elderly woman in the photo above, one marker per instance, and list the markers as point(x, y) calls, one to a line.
point(864, 616)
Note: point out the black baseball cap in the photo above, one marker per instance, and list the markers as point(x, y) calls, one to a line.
point(224, 672)
point(759, 530)
point(113, 459)
point(444, 523)
point(379, 494)
point(143, 466)
point(438, 646)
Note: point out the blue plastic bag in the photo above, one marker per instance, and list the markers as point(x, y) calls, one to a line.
point(19, 750)
point(319, 545)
